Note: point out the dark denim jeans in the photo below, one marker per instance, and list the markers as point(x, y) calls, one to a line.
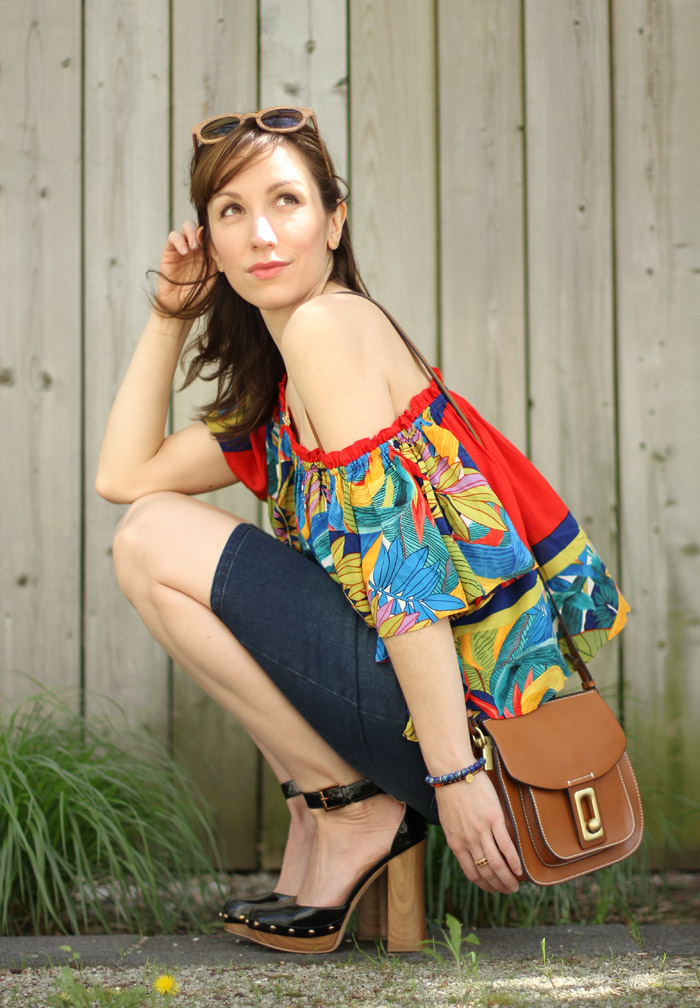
point(297, 624)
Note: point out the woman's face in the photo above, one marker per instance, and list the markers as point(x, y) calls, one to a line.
point(272, 233)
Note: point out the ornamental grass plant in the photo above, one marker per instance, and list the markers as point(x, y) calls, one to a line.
point(99, 827)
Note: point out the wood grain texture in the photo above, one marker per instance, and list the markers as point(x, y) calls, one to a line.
point(40, 379)
point(657, 147)
point(483, 349)
point(303, 52)
point(126, 216)
point(393, 159)
point(570, 289)
point(214, 70)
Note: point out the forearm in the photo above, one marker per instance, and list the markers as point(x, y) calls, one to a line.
point(426, 665)
point(136, 426)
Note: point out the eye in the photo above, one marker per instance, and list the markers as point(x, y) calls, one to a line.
point(230, 209)
point(288, 199)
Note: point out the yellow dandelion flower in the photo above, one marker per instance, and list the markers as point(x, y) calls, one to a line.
point(166, 984)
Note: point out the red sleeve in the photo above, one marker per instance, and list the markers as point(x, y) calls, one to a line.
point(532, 505)
point(246, 457)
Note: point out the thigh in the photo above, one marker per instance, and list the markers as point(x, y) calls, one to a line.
point(299, 626)
point(174, 540)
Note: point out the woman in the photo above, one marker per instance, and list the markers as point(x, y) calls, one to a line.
point(427, 528)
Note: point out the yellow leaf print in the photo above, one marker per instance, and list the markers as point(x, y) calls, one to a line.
point(363, 494)
point(446, 444)
point(349, 572)
point(552, 678)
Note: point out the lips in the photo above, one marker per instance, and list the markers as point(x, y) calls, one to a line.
point(269, 269)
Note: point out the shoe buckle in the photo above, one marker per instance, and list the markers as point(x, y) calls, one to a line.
point(325, 798)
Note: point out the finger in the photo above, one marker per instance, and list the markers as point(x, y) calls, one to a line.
point(190, 233)
point(475, 876)
point(508, 850)
point(484, 880)
point(179, 243)
point(495, 870)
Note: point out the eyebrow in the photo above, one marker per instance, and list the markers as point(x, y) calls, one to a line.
point(270, 189)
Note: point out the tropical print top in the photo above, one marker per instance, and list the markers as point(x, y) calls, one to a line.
point(422, 522)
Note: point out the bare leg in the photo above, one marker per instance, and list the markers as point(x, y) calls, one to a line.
point(301, 836)
point(166, 551)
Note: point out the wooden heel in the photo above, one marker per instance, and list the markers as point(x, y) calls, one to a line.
point(372, 911)
point(406, 901)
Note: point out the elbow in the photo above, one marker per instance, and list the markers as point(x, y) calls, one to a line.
point(111, 490)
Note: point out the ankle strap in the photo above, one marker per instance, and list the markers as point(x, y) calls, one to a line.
point(290, 790)
point(338, 795)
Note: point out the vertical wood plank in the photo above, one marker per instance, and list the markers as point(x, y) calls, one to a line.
point(40, 517)
point(570, 265)
point(657, 149)
point(483, 349)
point(214, 70)
point(126, 216)
point(393, 159)
point(303, 54)
point(303, 61)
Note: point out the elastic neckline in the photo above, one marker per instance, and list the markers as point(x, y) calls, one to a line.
point(336, 459)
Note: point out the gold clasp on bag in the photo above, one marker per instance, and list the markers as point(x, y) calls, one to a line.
point(591, 829)
point(483, 742)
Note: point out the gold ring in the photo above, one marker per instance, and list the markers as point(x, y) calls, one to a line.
point(481, 862)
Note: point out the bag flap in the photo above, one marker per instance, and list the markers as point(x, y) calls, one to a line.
point(566, 741)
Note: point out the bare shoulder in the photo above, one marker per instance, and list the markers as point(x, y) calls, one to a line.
point(344, 325)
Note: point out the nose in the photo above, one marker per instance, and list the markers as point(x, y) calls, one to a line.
point(262, 233)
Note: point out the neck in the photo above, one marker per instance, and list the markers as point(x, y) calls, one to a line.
point(276, 318)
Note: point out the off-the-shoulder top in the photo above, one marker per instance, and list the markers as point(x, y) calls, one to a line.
point(422, 522)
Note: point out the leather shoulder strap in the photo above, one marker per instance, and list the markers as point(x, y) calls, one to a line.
point(430, 370)
point(579, 664)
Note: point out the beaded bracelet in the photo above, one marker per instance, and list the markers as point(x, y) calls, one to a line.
point(466, 774)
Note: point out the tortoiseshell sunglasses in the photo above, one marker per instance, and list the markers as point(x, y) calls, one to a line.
point(274, 120)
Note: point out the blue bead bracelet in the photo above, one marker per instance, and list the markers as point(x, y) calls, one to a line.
point(450, 778)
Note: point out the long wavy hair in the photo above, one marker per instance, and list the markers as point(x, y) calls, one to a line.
point(233, 346)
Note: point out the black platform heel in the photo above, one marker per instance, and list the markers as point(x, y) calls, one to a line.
point(289, 927)
point(237, 909)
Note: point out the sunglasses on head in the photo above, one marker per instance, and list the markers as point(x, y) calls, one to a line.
point(273, 120)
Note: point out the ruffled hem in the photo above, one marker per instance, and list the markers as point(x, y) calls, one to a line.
point(345, 456)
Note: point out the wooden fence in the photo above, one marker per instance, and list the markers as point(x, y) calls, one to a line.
point(524, 179)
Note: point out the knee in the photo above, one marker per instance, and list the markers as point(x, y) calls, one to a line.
point(135, 544)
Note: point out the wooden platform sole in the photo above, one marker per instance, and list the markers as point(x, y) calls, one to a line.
point(394, 912)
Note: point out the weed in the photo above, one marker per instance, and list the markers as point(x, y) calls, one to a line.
point(546, 969)
point(466, 962)
point(382, 958)
point(73, 993)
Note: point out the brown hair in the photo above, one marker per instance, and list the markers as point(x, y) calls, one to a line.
point(234, 345)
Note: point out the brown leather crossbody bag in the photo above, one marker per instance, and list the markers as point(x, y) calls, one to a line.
point(565, 781)
point(562, 773)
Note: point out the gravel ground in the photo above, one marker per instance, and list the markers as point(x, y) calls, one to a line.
point(631, 981)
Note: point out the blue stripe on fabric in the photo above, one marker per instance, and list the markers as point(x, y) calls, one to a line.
point(502, 599)
point(565, 532)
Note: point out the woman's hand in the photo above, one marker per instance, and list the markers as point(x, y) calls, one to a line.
point(181, 267)
point(475, 828)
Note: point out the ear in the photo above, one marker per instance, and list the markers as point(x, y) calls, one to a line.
point(335, 224)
